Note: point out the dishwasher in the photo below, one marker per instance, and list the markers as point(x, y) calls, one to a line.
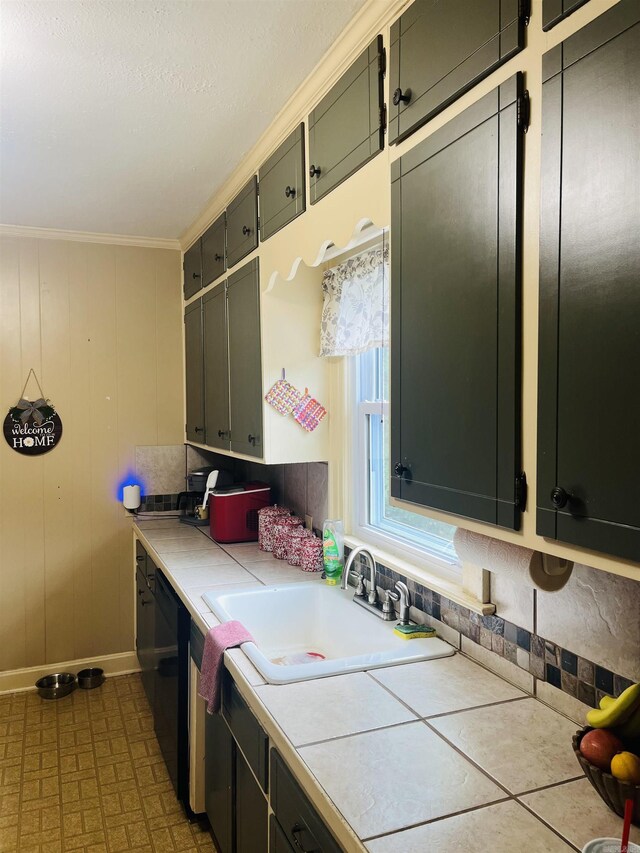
point(171, 685)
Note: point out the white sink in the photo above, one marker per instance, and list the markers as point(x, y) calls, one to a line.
point(313, 617)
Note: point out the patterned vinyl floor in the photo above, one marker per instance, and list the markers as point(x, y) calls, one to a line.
point(85, 773)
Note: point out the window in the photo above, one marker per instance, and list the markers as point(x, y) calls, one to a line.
point(411, 535)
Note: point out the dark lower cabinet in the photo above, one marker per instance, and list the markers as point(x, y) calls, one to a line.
point(236, 801)
point(440, 50)
point(346, 129)
point(245, 360)
point(194, 367)
point(589, 349)
point(455, 294)
point(220, 753)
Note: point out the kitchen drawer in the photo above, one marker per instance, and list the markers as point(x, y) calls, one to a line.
point(141, 558)
point(277, 839)
point(213, 250)
point(247, 731)
point(242, 223)
point(302, 827)
point(196, 644)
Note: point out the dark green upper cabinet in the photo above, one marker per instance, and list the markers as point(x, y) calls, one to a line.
point(194, 371)
point(440, 50)
point(455, 309)
point(346, 129)
point(242, 223)
point(216, 367)
point(192, 267)
point(213, 251)
point(553, 11)
point(245, 361)
point(589, 347)
point(282, 185)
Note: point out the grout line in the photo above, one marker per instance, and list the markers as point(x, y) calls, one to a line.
point(353, 734)
point(551, 785)
point(549, 826)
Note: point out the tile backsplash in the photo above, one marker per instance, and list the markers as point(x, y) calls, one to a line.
point(576, 645)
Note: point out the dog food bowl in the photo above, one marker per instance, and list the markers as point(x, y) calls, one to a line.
point(57, 685)
point(90, 678)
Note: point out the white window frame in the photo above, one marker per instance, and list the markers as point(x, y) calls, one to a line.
point(448, 569)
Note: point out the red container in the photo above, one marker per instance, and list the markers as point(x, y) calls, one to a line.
point(233, 514)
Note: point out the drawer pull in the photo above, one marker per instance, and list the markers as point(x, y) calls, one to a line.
point(295, 830)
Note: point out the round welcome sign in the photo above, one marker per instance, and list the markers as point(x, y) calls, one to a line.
point(32, 427)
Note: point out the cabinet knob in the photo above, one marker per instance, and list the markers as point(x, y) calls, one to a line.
point(246, 230)
point(400, 98)
point(139, 559)
point(217, 257)
point(296, 830)
point(559, 497)
point(199, 429)
point(314, 171)
point(290, 192)
point(400, 469)
point(252, 439)
point(196, 275)
point(221, 433)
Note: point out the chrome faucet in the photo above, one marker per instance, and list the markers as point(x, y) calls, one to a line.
point(372, 598)
point(370, 602)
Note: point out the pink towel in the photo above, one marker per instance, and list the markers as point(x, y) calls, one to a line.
point(224, 636)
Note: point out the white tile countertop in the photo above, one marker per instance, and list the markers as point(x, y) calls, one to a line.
point(437, 755)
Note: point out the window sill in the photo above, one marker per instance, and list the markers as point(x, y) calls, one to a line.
point(453, 591)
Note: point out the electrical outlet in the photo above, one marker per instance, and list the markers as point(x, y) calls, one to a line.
point(308, 522)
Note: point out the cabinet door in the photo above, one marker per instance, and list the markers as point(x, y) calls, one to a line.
point(252, 831)
point(213, 250)
point(455, 291)
point(242, 223)
point(282, 185)
point(194, 372)
point(219, 780)
point(440, 50)
point(346, 128)
point(216, 367)
point(589, 394)
point(553, 11)
point(192, 268)
point(245, 362)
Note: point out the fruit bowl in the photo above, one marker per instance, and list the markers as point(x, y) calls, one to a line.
point(613, 791)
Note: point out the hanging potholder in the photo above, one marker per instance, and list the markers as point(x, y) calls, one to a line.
point(309, 412)
point(283, 396)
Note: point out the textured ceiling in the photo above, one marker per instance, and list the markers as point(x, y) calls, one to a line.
point(125, 116)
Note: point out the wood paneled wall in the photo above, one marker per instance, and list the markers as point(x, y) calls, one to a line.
point(101, 326)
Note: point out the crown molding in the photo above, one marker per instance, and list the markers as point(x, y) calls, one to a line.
point(373, 17)
point(88, 237)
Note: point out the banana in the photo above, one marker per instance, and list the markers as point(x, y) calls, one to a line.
point(618, 712)
point(629, 730)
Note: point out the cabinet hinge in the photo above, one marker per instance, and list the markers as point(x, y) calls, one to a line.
point(258, 223)
point(382, 62)
point(521, 492)
point(523, 111)
point(382, 115)
point(524, 11)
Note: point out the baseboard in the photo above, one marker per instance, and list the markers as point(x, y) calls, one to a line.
point(25, 679)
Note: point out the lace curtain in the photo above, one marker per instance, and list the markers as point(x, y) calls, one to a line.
point(355, 313)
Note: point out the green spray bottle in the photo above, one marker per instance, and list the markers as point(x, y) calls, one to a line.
point(333, 550)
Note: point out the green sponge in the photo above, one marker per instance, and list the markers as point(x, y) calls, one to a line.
point(414, 632)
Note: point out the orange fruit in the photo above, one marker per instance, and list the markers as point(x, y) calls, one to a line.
point(626, 767)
